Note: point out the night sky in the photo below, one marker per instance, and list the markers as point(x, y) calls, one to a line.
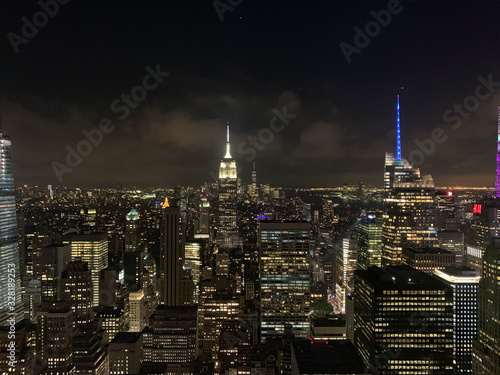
point(262, 58)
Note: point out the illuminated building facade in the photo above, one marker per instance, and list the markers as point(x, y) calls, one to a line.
point(9, 261)
point(369, 230)
point(485, 226)
point(112, 320)
point(132, 231)
point(93, 249)
point(453, 241)
point(138, 314)
point(403, 321)
point(76, 283)
point(285, 278)
point(171, 338)
point(346, 264)
point(486, 351)
point(54, 338)
point(53, 262)
point(428, 259)
point(227, 227)
point(192, 261)
point(464, 283)
point(409, 220)
point(125, 354)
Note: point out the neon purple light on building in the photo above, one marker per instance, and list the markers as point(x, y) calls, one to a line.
point(497, 184)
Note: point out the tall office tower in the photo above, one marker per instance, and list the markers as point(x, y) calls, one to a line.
point(345, 265)
point(36, 237)
point(149, 283)
point(54, 338)
point(409, 218)
point(486, 351)
point(204, 212)
point(10, 281)
point(253, 190)
point(369, 230)
point(132, 231)
point(133, 265)
point(485, 225)
point(327, 214)
point(32, 298)
point(93, 249)
point(138, 315)
point(76, 285)
point(171, 338)
point(88, 356)
point(464, 283)
point(125, 354)
point(171, 258)
point(285, 278)
point(227, 226)
point(192, 261)
point(108, 287)
point(403, 321)
point(219, 308)
point(446, 217)
point(53, 262)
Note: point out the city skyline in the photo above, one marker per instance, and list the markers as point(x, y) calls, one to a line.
point(341, 105)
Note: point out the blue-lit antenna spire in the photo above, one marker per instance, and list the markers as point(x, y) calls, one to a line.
point(398, 151)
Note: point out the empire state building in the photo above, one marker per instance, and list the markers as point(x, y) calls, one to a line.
point(227, 227)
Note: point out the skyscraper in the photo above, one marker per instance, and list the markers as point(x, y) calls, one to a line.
point(369, 231)
point(93, 249)
point(76, 284)
point(285, 278)
point(227, 227)
point(497, 184)
point(132, 231)
point(486, 351)
point(170, 257)
point(171, 337)
point(409, 218)
point(403, 321)
point(10, 281)
point(464, 283)
point(54, 338)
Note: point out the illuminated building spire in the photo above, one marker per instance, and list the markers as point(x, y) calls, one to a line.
point(398, 150)
point(497, 184)
point(228, 145)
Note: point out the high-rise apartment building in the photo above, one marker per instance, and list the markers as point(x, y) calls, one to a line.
point(93, 249)
point(285, 278)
